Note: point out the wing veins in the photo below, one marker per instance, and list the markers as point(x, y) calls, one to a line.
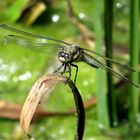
point(111, 60)
point(114, 73)
point(9, 28)
point(20, 40)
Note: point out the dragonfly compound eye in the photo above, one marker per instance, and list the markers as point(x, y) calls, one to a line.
point(64, 57)
point(67, 57)
point(62, 54)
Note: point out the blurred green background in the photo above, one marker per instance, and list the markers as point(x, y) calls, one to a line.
point(112, 109)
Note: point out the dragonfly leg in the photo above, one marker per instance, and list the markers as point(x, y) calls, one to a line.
point(64, 70)
point(76, 72)
point(59, 68)
point(69, 70)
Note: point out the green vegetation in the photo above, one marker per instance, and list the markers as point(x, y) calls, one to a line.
point(20, 68)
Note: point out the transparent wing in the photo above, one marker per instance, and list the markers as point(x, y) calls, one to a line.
point(106, 68)
point(124, 66)
point(29, 43)
point(12, 35)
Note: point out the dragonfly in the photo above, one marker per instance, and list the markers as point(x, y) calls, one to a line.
point(68, 53)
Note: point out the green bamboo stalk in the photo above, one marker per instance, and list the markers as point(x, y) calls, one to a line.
point(102, 110)
point(108, 21)
point(134, 52)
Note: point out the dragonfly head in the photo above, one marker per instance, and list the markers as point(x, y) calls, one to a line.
point(69, 54)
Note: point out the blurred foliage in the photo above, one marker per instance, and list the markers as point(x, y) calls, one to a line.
point(12, 9)
point(20, 68)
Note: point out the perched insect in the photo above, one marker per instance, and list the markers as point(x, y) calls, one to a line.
point(67, 55)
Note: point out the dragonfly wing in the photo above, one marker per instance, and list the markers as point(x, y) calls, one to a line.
point(32, 41)
point(106, 68)
point(124, 66)
point(23, 33)
point(35, 44)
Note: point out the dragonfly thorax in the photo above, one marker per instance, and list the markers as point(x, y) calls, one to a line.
point(69, 54)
